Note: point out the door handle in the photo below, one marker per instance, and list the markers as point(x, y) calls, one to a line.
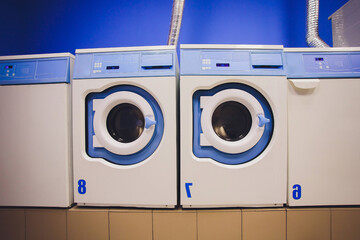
point(305, 83)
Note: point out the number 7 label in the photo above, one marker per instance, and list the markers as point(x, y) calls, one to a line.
point(187, 187)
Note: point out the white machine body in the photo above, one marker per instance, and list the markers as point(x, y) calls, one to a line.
point(35, 130)
point(111, 171)
point(323, 108)
point(246, 172)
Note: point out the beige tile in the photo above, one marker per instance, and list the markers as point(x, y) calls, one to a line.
point(345, 223)
point(264, 224)
point(219, 225)
point(130, 225)
point(45, 224)
point(174, 225)
point(87, 224)
point(308, 224)
point(12, 224)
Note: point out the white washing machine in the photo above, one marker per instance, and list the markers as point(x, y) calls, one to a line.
point(233, 148)
point(125, 136)
point(323, 108)
point(35, 130)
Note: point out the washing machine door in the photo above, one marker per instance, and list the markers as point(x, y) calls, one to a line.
point(232, 121)
point(123, 126)
point(235, 124)
point(123, 123)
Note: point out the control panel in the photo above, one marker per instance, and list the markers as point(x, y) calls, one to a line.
point(8, 70)
point(33, 71)
point(114, 63)
point(323, 64)
point(125, 64)
point(231, 62)
point(25, 69)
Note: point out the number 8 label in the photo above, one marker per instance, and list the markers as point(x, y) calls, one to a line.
point(82, 186)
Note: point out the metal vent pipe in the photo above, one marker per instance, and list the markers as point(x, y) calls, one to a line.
point(176, 18)
point(312, 25)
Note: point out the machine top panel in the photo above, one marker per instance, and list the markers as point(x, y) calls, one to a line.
point(126, 49)
point(323, 64)
point(231, 46)
point(329, 49)
point(35, 56)
point(29, 70)
point(211, 61)
point(126, 62)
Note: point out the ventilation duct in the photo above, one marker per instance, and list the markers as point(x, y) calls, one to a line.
point(177, 12)
point(312, 25)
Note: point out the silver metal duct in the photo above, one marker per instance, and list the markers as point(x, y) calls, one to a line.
point(312, 25)
point(177, 12)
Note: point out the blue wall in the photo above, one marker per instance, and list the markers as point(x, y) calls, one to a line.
point(43, 26)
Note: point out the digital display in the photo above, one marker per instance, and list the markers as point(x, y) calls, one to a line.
point(112, 67)
point(8, 67)
point(223, 64)
point(319, 59)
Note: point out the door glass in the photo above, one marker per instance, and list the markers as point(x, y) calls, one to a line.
point(231, 121)
point(125, 123)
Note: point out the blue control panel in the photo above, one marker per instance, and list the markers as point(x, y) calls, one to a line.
point(322, 64)
point(231, 62)
point(125, 64)
point(35, 71)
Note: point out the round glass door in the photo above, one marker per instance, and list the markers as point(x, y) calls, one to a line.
point(231, 121)
point(125, 123)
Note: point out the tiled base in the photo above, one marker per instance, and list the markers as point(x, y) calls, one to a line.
point(143, 224)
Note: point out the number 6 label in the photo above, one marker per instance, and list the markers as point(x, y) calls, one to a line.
point(296, 192)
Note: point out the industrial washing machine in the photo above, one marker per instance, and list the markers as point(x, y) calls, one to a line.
point(233, 126)
point(323, 108)
point(35, 130)
point(125, 136)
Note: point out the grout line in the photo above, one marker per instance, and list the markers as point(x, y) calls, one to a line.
point(25, 223)
point(330, 223)
point(108, 212)
point(286, 223)
point(197, 224)
point(66, 222)
point(152, 224)
point(241, 227)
